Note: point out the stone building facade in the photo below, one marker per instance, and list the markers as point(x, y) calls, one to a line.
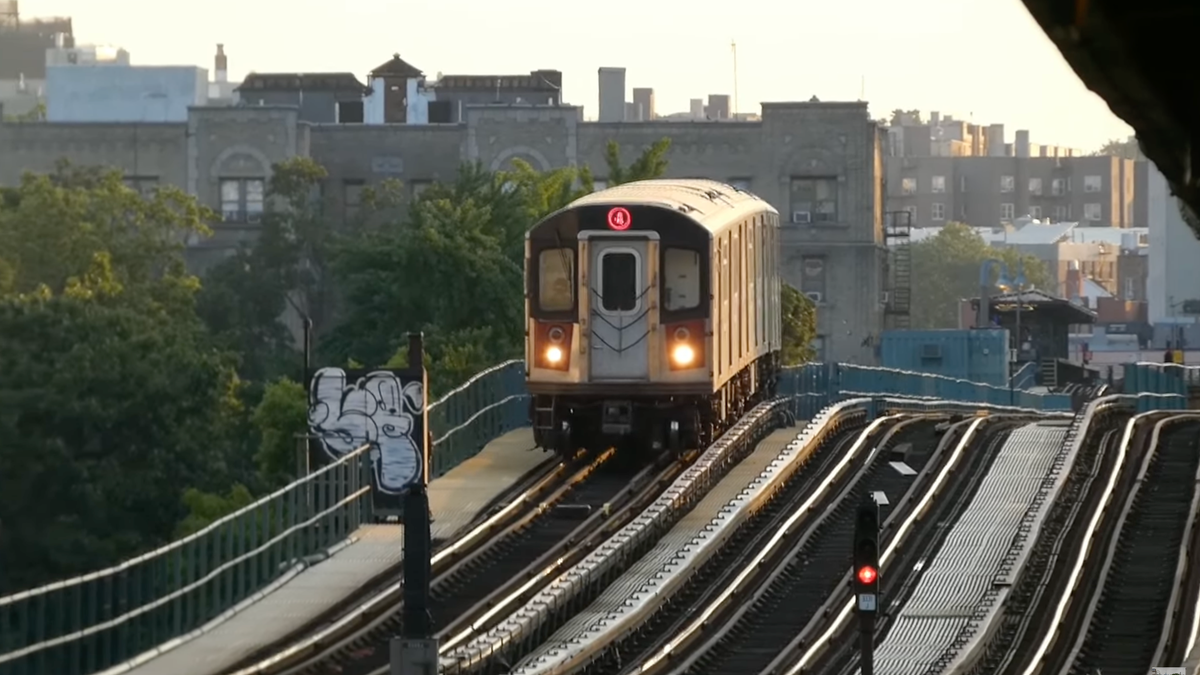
point(820, 164)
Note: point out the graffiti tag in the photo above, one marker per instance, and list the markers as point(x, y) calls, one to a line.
point(379, 409)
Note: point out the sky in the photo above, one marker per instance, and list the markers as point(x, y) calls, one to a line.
point(985, 61)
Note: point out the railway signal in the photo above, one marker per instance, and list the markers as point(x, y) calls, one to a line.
point(866, 579)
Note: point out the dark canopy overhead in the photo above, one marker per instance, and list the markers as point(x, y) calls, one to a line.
point(1134, 55)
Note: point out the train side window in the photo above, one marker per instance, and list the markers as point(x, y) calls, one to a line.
point(556, 279)
point(681, 275)
point(618, 281)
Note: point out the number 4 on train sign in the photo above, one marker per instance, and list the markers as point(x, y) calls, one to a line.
point(866, 602)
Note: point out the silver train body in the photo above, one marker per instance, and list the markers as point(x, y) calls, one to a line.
point(652, 315)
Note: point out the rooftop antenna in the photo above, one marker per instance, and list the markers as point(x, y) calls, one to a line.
point(733, 47)
point(862, 88)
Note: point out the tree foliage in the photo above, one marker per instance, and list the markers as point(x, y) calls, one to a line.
point(799, 326)
point(945, 269)
point(1126, 148)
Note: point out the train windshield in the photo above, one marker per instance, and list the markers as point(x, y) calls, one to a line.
point(681, 279)
point(556, 279)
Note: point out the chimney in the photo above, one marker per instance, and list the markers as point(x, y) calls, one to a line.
point(222, 65)
point(1075, 282)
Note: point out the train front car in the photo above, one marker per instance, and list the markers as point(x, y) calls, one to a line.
point(652, 315)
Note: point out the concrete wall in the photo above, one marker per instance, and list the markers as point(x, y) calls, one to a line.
point(104, 93)
point(833, 142)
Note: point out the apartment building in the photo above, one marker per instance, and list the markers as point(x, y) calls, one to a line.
point(949, 170)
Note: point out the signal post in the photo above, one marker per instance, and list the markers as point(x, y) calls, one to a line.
point(866, 580)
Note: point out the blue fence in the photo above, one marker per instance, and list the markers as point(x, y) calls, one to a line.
point(1163, 386)
point(816, 385)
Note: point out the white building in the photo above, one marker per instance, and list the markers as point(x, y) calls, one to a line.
point(1174, 274)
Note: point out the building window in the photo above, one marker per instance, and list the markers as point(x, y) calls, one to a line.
point(1007, 211)
point(1092, 212)
point(1092, 183)
point(242, 199)
point(352, 194)
point(419, 186)
point(1058, 187)
point(812, 283)
point(143, 185)
point(1035, 186)
point(912, 213)
point(937, 184)
point(1008, 183)
point(814, 200)
point(1035, 212)
point(599, 184)
point(908, 186)
point(1060, 213)
point(742, 184)
point(938, 212)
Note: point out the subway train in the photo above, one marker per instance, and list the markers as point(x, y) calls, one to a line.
point(653, 317)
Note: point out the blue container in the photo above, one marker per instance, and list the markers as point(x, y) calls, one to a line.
point(972, 355)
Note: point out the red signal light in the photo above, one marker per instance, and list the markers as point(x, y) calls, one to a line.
point(867, 574)
point(619, 218)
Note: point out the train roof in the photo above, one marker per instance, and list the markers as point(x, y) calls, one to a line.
point(712, 204)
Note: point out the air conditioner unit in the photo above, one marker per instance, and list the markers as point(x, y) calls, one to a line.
point(801, 217)
point(814, 296)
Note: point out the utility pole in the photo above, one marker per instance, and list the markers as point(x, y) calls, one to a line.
point(866, 580)
point(415, 652)
point(733, 46)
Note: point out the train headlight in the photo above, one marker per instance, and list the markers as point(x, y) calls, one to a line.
point(554, 355)
point(556, 334)
point(683, 355)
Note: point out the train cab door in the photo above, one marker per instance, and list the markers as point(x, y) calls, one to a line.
point(619, 301)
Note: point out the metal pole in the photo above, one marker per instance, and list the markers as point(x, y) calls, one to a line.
point(308, 325)
point(416, 651)
point(866, 644)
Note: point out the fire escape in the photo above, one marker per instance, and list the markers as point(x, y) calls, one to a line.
point(897, 312)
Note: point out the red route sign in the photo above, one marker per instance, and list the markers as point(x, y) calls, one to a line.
point(619, 218)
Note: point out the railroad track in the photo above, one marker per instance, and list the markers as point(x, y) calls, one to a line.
point(806, 564)
point(1123, 624)
point(723, 565)
point(526, 628)
point(1013, 636)
point(546, 524)
point(725, 623)
point(902, 574)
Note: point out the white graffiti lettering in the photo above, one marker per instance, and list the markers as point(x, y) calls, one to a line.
point(377, 409)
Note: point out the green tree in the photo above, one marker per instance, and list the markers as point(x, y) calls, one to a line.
point(651, 163)
point(946, 270)
point(56, 229)
point(113, 399)
point(799, 326)
point(1127, 148)
point(108, 409)
point(280, 418)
